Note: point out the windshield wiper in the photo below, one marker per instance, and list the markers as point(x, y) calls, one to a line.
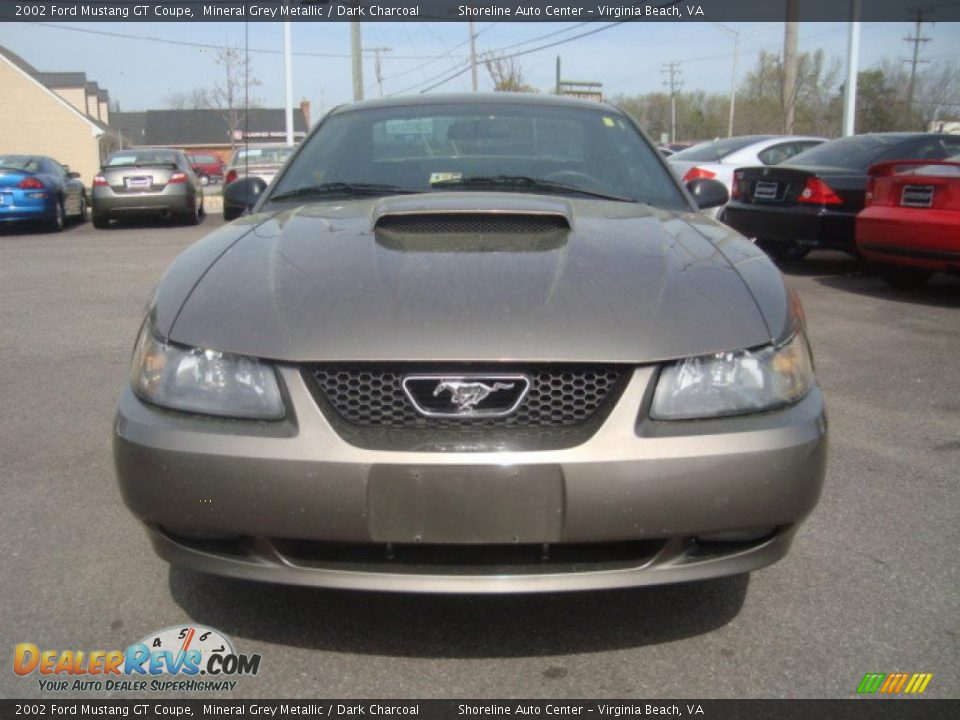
point(523, 182)
point(343, 189)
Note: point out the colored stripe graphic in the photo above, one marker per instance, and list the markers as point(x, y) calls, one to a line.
point(894, 683)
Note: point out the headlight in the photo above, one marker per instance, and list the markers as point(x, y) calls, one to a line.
point(204, 381)
point(734, 383)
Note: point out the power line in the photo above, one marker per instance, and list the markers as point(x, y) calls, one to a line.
point(210, 46)
point(520, 53)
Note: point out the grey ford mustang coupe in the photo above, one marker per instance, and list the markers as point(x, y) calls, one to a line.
point(478, 343)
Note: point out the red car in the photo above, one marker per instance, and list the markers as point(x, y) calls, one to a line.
point(208, 168)
point(910, 224)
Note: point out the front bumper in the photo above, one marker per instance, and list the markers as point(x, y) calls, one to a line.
point(812, 226)
point(292, 502)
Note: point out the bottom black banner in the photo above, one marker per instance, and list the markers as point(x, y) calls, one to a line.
point(887, 709)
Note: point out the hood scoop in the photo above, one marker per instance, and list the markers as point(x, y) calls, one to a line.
point(472, 222)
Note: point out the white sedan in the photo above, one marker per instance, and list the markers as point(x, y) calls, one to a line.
point(717, 159)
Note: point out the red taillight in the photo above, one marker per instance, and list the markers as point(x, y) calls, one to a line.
point(735, 186)
point(30, 183)
point(176, 178)
point(100, 181)
point(231, 176)
point(698, 173)
point(817, 192)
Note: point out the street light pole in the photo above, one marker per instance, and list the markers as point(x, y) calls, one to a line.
point(473, 57)
point(853, 59)
point(356, 52)
point(288, 81)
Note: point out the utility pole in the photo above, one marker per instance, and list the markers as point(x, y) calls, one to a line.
point(557, 88)
point(917, 40)
point(377, 69)
point(356, 52)
point(853, 60)
point(473, 57)
point(789, 99)
point(288, 82)
point(671, 72)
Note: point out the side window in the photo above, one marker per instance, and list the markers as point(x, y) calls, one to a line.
point(778, 153)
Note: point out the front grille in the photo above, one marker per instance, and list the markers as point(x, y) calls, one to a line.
point(560, 396)
point(472, 223)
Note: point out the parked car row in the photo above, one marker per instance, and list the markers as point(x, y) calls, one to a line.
point(814, 199)
point(718, 159)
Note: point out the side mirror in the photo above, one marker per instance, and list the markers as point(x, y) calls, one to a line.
point(708, 193)
point(243, 194)
point(73, 175)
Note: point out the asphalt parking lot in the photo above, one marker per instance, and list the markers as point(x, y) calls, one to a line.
point(870, 585)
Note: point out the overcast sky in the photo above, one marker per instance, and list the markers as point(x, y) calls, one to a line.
point(626, 59)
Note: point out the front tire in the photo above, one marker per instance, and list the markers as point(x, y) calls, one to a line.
point(904, 278)
point(789, 251)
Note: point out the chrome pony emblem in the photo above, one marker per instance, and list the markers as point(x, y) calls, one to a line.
point(466, 396)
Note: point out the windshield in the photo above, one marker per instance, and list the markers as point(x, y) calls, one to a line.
point(716, 150)
point(142, 157)
point(443, 147)
point(263, 156)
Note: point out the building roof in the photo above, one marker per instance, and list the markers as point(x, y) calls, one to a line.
point(24, 68)
point(62, 79)
point(203, 127)
point(131, 125)
point(18, 61)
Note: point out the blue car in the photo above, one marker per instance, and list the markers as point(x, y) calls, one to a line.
point(35, 188)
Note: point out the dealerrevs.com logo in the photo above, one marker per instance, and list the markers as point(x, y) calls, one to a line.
point(182, 658)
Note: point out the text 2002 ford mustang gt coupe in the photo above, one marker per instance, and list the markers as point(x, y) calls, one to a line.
point(472, 344)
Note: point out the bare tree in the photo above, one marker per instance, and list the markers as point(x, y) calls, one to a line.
point(506, 73)
point(232, 92)
point(195, 99)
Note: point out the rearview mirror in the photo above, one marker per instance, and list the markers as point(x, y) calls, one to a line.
point(241, 195)
point(708, 193)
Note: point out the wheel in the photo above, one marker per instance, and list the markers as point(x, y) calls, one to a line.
point(790, 250)
point(194, 216)
point(904, 278)
point(101, 222)
point(57, 220)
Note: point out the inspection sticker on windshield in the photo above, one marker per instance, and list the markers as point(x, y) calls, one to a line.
point(443, 176)
point(608, 121)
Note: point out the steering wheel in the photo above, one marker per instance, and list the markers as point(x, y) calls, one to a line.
point(574, 178)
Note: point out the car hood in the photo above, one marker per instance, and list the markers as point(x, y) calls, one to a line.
point(324, 282)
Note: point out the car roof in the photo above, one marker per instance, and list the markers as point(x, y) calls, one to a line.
point(500, 98)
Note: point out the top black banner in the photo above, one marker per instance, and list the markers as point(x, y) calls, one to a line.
point(600, 11)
